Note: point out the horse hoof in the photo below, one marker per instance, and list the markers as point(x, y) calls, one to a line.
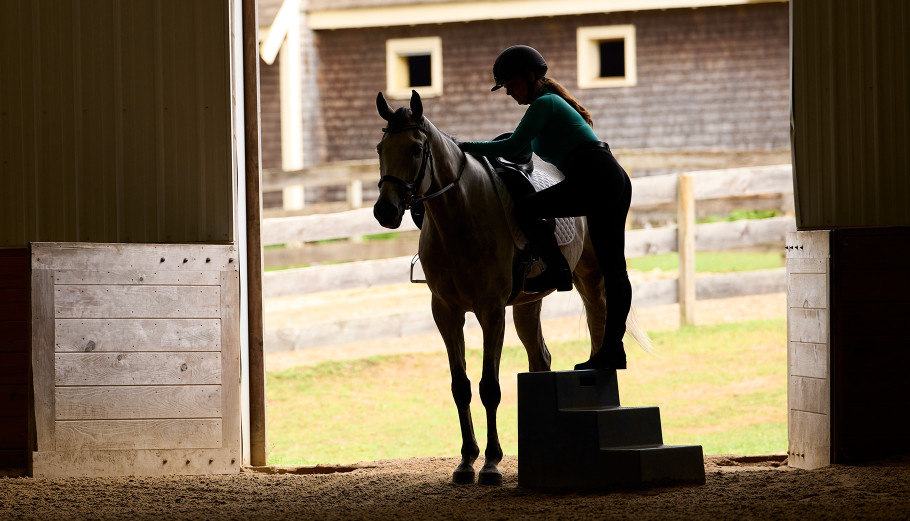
point(491, 478)
point(463, 477)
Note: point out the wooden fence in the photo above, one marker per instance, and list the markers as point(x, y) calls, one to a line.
point(687, 237)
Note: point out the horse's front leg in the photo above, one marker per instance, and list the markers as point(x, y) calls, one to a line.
point(450, 323)
point(492, 321)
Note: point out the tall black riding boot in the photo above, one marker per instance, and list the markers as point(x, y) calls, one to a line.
point(557, 274)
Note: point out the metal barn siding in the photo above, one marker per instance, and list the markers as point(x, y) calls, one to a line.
point(115, 121)
point(851, 113)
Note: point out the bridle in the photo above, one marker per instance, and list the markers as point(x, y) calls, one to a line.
point(427, 159)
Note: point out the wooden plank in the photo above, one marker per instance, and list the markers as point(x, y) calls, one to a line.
point(230, 361)
point(174, 368)
point(805, 359)
point(795, 265)
point(99, 335)
point(742, 182)
point(651, 241)
point(746, 233)
point(809, 394)
point(808, 245)
point(14, 368)
point(807, 290)
point(14, 304)
point(342, 252)
point(141, 257)
point(138, 434)
point(873, 285)
point(808, 325)
point(338, 276)
point(320, 227)
point(810, 440)
point(137, 301)
point(726, 285)
point(163, 277)
point(14, 272)
point(151, 462)
point(13, 401)
point(686, 246)
point(14, 336)
point(15, 436)
point(138, 402)
point(330, 174)
point(16, 459)
point(41, 413)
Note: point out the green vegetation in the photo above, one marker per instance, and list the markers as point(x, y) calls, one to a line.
point(723, 387)
point(711, 262)
point(739, 215)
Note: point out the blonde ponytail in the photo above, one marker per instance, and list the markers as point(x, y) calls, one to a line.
point(554, 87)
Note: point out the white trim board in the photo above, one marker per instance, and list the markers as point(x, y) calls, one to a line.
point(447, 12)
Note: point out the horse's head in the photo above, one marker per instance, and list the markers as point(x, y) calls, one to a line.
point(403, 160)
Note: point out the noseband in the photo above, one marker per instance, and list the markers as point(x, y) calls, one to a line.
point(427, 159)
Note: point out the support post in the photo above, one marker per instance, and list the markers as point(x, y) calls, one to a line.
point(290, 66)
point(253, 177)
point(686, 248)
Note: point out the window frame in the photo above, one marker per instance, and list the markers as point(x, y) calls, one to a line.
point(588, 49)
point(397, 52)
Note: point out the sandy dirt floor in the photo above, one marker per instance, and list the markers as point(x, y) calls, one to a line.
point(754, 487)
point(743, 488)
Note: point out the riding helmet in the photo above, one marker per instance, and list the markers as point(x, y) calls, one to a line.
point(516, 60)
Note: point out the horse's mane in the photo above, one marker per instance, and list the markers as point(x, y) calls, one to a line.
point(402, 117)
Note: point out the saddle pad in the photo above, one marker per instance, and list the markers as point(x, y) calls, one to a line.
point(544, 176)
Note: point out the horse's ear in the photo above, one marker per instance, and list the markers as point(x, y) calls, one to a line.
point(384, 109)
point(416, 105)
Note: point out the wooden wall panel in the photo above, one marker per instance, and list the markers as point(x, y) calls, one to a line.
point(137, 350)
point(14, 286)
point(128, 301)
point(808, 349)
point(138, 434)
point(870, 351)
point(115, 121)
point(133, 402)
point(99, 335)
point(137, 368)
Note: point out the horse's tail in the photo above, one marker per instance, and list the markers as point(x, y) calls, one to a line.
point(638, 333)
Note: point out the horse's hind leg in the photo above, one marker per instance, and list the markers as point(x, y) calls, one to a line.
point(527, 325)
point(451, 326)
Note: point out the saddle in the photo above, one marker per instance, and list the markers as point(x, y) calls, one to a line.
point(516, 178)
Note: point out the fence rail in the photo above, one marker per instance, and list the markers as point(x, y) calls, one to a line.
point(646, 192)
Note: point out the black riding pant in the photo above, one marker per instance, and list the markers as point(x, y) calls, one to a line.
point(597, 187)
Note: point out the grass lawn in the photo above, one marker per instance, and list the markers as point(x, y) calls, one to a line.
point(711, 261)
point(723, 387)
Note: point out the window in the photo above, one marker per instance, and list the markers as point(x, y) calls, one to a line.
point(606, 56)
point(414, 63)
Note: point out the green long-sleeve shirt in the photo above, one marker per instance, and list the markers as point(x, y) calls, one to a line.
point(550, 127)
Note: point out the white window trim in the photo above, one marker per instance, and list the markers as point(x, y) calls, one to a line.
point(589, 56)
point(396, 70)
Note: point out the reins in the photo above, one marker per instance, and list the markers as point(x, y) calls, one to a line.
point(421, 173)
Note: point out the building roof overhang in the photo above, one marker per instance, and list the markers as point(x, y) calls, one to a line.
point(468, 11)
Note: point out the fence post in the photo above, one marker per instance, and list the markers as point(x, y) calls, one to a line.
point(686, 247)
point(355, 194)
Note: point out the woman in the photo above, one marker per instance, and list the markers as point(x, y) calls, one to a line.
point(559, 130)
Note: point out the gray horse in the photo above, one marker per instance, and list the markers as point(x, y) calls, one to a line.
point(468, 253)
